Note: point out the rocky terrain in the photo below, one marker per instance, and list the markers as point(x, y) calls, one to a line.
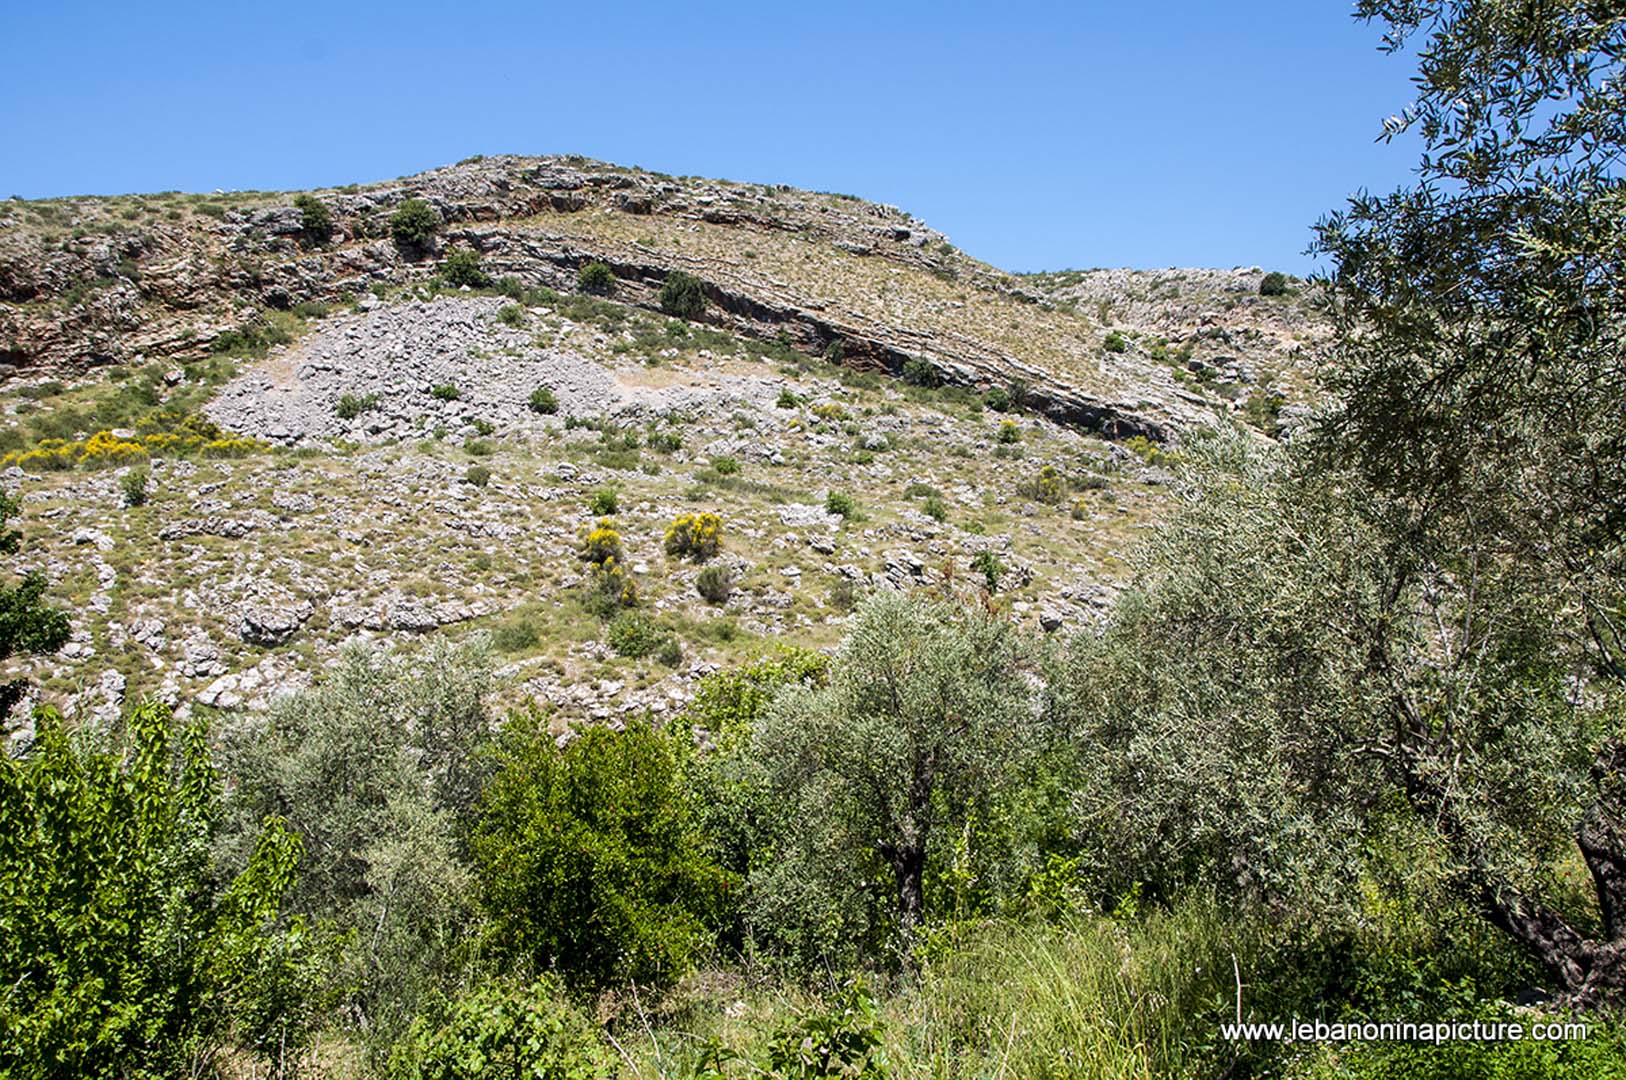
point(395, 477)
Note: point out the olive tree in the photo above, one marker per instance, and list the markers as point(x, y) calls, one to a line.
point(1284, 685)
point(928, 717)
point(1478, 389)
point(377, 769)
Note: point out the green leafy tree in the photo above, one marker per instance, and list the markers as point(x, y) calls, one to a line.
point(123, 951)
point(27, 623)
point(589, 858)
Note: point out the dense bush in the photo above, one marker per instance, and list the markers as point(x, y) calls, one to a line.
point(715, 584)
point(634, 634)
point(1114, 342)
point(682, 295)
point(376, 768)
point(601, 543)
point(544, 401)
point(1009, 432)
point(986, 563)
point(351, 406)
point(596, 278)
point(504, 1030)
point(462, 267)
point(935, 508)
point(919, 372)
point(697, 536)
point(133, 486)
point(28, 624)
point(1047, 486)
point(124, 951)
point(477, 475)
point(445, 392)
point(1273, 284)
point(997, 399)
point(603, 502)
point(589, 859)
point(315, 219)
point(512, 316)
point(840, 504)
point(414, 224)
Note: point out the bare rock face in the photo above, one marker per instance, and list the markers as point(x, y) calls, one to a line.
point(272, 623)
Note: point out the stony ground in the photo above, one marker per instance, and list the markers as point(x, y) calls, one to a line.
point(240, 579)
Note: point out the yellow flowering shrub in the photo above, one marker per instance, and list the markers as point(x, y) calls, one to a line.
point(191, 435)
point(105, 450)
point(698, 536)
point(602, 543)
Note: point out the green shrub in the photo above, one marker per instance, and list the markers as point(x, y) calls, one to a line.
point(683, 295)
point(840, 504)
point(511, 315)
point(666, 442)
point(715, 584)
point(543, 401)
point(315, 219)
point(1009, 432)
point(478, 475)
point(588, 857)
point(787, 399)
point(919, 372)
point(841, 1043)
point(445, 392)
point(351, 406)
point(670, 652)
point(988, 564)
point(997, 399)
point(504, 1030)
point(935, 508)
point(124, 950)
point(596, 278)
point(1048, 486)
point(634, 634)
point(462, 267)
point(725, 466)
point(1114, 342)
point(603, 502)
point(697, 536)
point(414, 224)
point(1273, 284)
point(133, 485)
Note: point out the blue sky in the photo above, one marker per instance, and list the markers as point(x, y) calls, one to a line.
point(1038, 136)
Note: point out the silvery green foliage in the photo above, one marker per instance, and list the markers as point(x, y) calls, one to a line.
point(1282, 685)
point(373, 767)
point(928, 719)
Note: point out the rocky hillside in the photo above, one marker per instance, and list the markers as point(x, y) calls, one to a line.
point(95, 281)
point(335, 440)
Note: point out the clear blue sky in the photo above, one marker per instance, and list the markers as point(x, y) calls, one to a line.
point(1038, 136)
